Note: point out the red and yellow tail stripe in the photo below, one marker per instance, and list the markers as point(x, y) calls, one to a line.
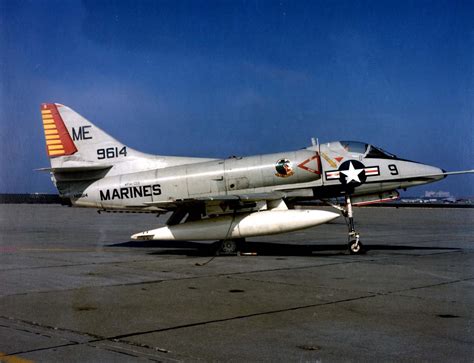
point(58, 140)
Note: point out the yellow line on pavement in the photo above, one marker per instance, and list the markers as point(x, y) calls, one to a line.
point(13, 359)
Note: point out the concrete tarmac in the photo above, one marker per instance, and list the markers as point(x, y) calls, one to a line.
point(74, 288)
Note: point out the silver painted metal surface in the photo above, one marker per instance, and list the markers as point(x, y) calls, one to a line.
point(92, 169)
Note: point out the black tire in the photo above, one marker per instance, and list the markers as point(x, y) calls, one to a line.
point(356, 248)
point(228, 247)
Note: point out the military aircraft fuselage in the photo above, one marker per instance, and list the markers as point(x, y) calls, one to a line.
point(324, 171)
point(224, 199)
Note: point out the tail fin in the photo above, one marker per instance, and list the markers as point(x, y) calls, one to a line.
point(77, 147)
point(70, 137)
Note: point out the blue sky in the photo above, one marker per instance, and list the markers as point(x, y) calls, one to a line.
point(220, 78)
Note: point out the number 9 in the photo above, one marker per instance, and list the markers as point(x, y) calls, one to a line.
point(100, 154)
point(393, 169)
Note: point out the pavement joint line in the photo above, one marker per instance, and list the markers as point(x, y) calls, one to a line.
point(131, 344)
point(39, 349)
point(24, 330)
point(48, 327)
point(438, 284)
point(115, 351)
point(120, 350)
point(91, 339)
point(397, 292)
point(114, 348)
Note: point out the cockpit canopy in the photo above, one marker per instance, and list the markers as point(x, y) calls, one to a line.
point(367, 150)
point(354, 146)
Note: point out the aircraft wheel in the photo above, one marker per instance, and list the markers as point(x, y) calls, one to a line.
point(356, 248)
point(230, 246)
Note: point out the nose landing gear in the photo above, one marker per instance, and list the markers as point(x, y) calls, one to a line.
point(355, 246)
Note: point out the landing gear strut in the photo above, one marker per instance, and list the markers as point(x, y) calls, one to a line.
point(355, 246)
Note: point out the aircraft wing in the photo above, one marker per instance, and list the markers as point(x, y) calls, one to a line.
point(243, 198)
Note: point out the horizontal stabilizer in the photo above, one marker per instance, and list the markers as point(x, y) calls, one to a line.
point(75, 169)
point(78, 173)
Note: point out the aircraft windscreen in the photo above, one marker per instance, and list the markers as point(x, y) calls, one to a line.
point(354, 146)
point(378, 153)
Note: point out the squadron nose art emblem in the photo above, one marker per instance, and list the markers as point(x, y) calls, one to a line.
point(352, 172)
point(284, 168)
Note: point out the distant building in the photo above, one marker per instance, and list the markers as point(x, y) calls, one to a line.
point(438, 194)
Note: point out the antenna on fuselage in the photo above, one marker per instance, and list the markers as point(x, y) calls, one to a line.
point(315, 142)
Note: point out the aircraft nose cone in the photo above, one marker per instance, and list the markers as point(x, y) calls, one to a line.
point(433, 172)
point(419, 174)
point(438, 171)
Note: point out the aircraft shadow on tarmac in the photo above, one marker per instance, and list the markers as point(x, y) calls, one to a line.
point(188, 248)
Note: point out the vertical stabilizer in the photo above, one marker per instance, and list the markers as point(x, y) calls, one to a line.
point(75, 143)
point(73, 137)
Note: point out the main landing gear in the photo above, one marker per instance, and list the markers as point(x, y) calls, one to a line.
point(230, 246)
point(355, 246)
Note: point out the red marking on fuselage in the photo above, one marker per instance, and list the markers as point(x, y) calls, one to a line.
point(318, 161)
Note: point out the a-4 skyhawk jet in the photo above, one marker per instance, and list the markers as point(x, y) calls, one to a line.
point(222, 199)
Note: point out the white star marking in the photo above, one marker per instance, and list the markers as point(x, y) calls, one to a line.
point(352, 174)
